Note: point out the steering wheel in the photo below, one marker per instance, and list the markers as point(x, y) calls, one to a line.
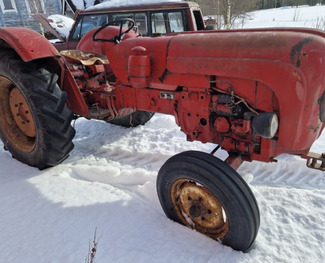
point(118, 38)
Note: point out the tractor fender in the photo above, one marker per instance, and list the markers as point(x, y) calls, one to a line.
point(29, 44)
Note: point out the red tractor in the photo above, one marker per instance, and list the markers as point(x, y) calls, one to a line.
point(254, 93)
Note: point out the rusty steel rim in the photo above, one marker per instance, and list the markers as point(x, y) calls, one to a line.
point(16, 122)
point(199, 209)
point(21, 113)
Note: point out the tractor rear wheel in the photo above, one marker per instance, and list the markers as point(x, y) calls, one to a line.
point(202, 192)
point(35, 123)
point(134, 119)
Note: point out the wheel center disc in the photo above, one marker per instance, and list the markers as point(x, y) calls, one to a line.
point(199, 208)
point(21, 113)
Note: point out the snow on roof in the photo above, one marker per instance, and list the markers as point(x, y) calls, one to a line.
point(80, 4)
point(113, 3)
point(117, 3)
point(61, 24)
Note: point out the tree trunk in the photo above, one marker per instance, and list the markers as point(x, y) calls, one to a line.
point(218, 15)
point(228, 22)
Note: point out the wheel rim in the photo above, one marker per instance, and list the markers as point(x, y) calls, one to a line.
point(199, 209)
point(17, 123)
point(21, 113)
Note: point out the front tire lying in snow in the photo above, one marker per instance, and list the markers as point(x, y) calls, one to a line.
point(202, 192)
point(35, 123)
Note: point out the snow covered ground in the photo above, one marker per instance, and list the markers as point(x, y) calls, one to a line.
point(288, 16)
point(108, 184)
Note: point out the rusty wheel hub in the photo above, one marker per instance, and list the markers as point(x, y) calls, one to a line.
point(198, 208)
point(16, 122)
point(21, 112)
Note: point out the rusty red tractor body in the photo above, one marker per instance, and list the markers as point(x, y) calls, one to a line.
point(255, 93)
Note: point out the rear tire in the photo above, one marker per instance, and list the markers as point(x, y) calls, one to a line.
point(202, 192)
point(134, 119)
point(35, 122)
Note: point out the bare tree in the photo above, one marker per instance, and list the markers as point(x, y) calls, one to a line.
point(228, 10)
point(228, 15)
point(218, 20)
point(236, 9)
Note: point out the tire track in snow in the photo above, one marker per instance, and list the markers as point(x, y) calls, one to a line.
point(289, 171)
point(144, 149)
point(127, 158)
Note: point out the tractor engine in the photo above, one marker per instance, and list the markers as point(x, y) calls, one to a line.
point(93, 77)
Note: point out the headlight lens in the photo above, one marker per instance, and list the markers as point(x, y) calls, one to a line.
point(266, 124)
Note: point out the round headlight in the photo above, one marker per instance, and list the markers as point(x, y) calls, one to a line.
point(266, 124)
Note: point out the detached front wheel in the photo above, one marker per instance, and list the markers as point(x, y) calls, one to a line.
point(202, 192)
point(35, 123)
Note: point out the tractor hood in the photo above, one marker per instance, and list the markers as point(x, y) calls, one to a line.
point(283, 66)
point(58, 25)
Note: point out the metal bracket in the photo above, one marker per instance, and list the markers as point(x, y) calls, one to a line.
point(234, 160)
point(315, 160)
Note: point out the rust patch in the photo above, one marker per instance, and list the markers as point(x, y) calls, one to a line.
point(86, 58)
point(296, 52)
point(321, 103)
point(314, 128)
point(297, 75)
